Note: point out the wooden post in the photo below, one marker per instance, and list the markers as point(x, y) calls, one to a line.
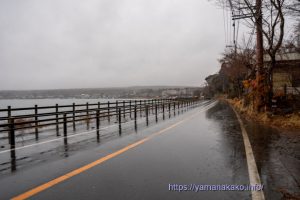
point(99, 108)
point(57, 121)
point(146, 110)
point(152, 106)
point(163, 110)
point(74, 128)
point(156, 113)
point(97, 122)
point(120, 116)
point(135, 104)
point(124, 110)
point(65, 125)
point(135, 110)
point(87, 116)
point(120, 121)
point(8, 120)
point(36, 122)
point(135, 117)
point(108, 113)
point(140, 108)
point(130, 108)
point(12, 140)
point(174, 107)
point(169, 109)
point(117, 109)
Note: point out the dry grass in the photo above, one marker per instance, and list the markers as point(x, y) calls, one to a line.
point(290, 121)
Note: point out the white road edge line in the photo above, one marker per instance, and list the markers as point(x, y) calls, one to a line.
point(252, 168)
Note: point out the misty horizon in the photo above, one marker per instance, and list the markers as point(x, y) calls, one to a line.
point(120, 87)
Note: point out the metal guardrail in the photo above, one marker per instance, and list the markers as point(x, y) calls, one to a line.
point(99, 111)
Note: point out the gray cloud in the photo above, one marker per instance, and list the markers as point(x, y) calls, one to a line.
point(101, 43)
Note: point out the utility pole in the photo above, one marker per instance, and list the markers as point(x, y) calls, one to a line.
point(260, 75)
point(259, 53)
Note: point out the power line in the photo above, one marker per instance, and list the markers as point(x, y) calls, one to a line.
point(224, 23)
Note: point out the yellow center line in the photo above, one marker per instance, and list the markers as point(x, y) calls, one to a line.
point(75, 172)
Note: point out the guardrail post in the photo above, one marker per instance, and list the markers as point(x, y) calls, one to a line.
point(135, 110)
point(8, 118)
point(135, 116)
point(12, 139)
point(36, 122)
point(152, 106)
point(140, 108)
point(65, 125)
point(120, 116)
point(108, 113)
point(74, 128)
point(99, 108)
point(97, 122)
point(178, 108)
point(87, 116)
point(156, 113)
point(130, 108)
point(146, 110)
point(169, 104)
point(120, 121)
point(174, 107)
point(124, 111)
point(163, 110)
point(135, 104)
point(57, 121)
point(12, 142)
point(117, 107)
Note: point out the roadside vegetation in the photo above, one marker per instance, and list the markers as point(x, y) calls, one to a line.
point(269, 91)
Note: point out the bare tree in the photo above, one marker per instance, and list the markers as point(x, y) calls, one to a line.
point(271, 19)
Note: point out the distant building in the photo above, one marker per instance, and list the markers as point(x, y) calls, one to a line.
point(286, 74)
point(169, 93)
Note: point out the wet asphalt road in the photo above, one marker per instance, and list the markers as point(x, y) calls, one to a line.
point(205, 149)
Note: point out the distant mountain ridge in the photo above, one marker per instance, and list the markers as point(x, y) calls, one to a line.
point(109, 92)
point(108, 88)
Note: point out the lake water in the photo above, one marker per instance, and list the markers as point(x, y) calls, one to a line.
point(17, 103)
point(20, 103)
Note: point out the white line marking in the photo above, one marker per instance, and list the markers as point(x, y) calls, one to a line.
point(69, 136)
point(78, 134)
point(252, 168)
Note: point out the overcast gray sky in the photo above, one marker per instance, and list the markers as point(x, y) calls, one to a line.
point(47, 44)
